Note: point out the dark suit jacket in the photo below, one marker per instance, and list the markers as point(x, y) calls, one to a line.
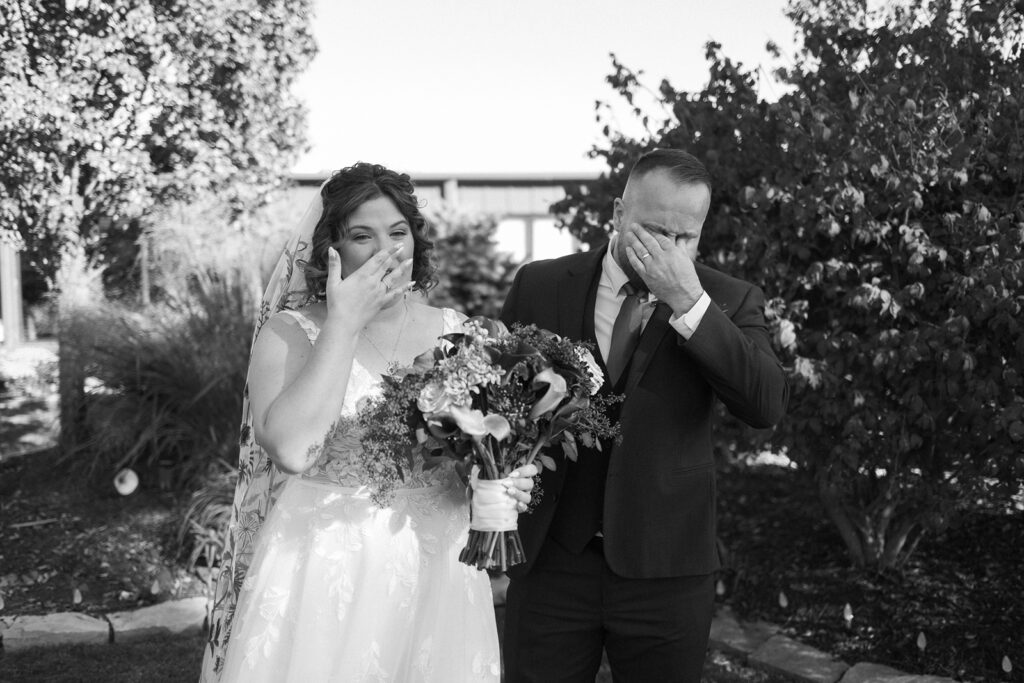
point(659, 492)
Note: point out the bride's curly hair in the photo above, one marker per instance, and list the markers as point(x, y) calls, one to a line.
point(346, 191)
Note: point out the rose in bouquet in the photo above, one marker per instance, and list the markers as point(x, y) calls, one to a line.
point(490, 399)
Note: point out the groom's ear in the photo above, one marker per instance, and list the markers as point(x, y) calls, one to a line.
point(617, 210)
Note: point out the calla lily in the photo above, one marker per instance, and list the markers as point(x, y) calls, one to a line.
point(552, 397)
point(497, 426)
point(470, 421)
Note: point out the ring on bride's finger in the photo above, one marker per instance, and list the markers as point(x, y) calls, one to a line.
point(646, 255)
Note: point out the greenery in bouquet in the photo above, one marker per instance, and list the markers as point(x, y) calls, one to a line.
point(491, 399)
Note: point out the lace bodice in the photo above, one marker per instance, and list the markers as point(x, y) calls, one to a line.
point(339, 463)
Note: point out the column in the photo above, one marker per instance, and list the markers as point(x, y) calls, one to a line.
point(10, 295)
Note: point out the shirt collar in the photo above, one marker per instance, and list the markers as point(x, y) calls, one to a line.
point(612, 274)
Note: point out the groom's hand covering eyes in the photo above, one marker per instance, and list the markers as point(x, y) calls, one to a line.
point(666, 266)
point(667, 238)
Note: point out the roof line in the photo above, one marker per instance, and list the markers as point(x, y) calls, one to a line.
point(421, 179)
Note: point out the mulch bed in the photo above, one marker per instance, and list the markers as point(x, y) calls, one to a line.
point(962, 589)
point(69, 545)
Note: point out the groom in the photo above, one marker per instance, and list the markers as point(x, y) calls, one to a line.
point(621, 549)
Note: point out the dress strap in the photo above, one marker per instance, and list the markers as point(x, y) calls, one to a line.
point(309, 327)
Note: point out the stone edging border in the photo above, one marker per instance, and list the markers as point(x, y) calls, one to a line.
point(173, 617)
point(758, 644)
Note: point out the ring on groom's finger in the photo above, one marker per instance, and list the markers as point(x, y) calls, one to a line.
point(646, 255)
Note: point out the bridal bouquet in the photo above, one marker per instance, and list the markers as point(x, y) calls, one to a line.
point(490, 399)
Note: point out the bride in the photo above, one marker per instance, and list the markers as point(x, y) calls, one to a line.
point(318, 583)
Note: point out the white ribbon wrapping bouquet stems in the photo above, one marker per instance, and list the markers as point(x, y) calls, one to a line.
point(492, 507)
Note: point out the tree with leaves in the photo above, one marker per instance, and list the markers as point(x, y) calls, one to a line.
point(880, 201)
point(112, 107)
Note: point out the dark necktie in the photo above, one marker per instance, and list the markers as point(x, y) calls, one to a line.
point(625, 332)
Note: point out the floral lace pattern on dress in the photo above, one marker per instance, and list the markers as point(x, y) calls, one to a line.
point(344, 590)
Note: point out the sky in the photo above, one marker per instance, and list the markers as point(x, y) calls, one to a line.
point(503, 86)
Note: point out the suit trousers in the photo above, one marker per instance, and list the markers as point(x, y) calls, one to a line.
point(568, 608)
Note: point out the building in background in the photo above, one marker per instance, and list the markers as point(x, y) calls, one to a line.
point(519, 202)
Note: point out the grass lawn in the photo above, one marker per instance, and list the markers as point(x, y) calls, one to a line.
point(168, 660)
point(154, 661)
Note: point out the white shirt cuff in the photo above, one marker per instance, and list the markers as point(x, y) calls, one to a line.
point(686, 324)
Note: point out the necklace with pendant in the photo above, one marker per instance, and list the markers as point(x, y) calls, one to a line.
point(388, 360)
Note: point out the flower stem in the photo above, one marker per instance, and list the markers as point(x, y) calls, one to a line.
point(536, 449)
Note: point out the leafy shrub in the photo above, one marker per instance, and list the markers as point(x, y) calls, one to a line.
point(879, 201)
point(473, 277)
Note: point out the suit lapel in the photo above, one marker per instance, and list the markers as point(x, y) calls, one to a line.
point(580, 285)
point(577, 322)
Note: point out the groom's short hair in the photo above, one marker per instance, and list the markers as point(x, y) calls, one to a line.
point(681, 166)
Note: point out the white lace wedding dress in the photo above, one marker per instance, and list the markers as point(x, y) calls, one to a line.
point(342, 590)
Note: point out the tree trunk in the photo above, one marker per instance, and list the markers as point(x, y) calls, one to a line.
point(870, 539)
point(78, 287)
point(897, 549)
point(144, 266)
point(832, 501)
point(71, 384)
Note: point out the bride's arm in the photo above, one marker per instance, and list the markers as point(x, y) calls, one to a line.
point(296, 391)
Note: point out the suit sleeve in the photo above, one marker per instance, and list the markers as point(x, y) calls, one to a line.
point(736, 358)
point(510, 309)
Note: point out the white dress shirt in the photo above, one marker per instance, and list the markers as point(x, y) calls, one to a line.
point(610, 297)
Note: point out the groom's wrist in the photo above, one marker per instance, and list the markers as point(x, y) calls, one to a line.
point(686, 322)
